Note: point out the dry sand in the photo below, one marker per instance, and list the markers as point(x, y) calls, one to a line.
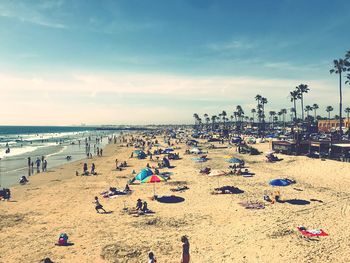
point(219, 229)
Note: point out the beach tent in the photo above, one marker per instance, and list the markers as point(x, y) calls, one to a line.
point(234, 160)
point(143, 174)
point(140, 154)
point(280, 182)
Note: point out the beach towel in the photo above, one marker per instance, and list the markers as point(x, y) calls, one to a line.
point(252, 205)
point(311, 232)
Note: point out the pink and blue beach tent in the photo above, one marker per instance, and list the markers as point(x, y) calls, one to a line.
point(143, 174)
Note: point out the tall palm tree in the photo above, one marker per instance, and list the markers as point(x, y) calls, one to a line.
point(196, 117)
point(308, 108)
point(302, 88)
point(315, 108)
point(253, 112)
point(224, 114)
point(272, 114)
point(329, 109)
point(284, 112)
point(293, 111)
point(340, 66)
point(213, 119)
point(293, 98)
point(258, 99)
point(347, 111)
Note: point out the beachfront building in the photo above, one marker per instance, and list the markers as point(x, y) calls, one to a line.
point(331, 125)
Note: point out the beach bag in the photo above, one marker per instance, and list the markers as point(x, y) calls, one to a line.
point(63, 239)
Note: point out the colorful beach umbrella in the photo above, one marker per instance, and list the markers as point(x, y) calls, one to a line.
point(153, 179)
point(280, 182)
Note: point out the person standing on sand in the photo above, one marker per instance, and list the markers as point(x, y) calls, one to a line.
point(185, 250)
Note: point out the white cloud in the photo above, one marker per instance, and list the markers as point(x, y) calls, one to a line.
point(77, 97)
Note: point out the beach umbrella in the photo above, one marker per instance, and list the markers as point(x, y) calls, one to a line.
point(270, 152)
point(154, 179)
point(279, 182)
point(143, 174)
point(234, 160)
point(217, 173)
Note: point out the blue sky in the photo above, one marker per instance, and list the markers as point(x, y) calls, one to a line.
point(161, 61)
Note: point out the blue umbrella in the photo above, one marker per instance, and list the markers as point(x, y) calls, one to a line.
point(280, 182)
point(143, 174)
point(234, 160)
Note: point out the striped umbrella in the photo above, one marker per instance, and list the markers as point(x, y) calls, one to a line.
point(154, 179)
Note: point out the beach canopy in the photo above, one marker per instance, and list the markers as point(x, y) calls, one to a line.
point(234, 160)
point(153, 179)
point(143, 174)
point(280, 182)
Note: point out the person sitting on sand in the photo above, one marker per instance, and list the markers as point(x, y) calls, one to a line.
point(23, 180)
point(98, 206)
point(239, 171)
point(93, 167)
point(127, 188)
point(145, 207)
point(156, 171)
point(277, 196)
point(139, 204)
point(151, 258)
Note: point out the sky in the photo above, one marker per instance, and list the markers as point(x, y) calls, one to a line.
point(67, 62)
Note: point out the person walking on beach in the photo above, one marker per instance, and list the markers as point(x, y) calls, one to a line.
point(101, 152)
point(45, 166)
point(38, 162)
point(29, 162)
point(98, 206)
point(185, 250)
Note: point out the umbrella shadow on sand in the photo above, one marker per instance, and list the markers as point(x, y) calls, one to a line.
point(296, 202)
point(170, 199)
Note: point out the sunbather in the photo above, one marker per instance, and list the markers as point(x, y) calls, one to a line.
point(139, 204)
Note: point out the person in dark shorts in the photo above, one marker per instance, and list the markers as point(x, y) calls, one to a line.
point(98, 206)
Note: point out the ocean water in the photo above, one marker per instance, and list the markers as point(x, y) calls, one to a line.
point(54, 143)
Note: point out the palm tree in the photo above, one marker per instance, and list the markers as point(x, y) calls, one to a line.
point(258, 99)
point(315, 108)
point(308, 108)
point(329, 109)
point(302, 88)
point(253, 112)
point(340, 66)
point(213, 119)
point(284, 112)
point(293, 98)
point(347, 111)
point(196, 117)
point(240, 114)
point(224, 114)
point(272, 114)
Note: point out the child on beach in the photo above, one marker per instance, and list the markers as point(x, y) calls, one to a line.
point(98, 206)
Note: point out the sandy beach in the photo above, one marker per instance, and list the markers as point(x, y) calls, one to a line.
point(218, 227)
